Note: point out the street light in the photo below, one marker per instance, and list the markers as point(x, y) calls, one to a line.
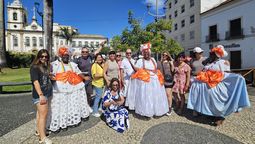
point(37, 5)
point(156, 15)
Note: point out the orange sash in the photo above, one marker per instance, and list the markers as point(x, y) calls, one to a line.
point(144, 75)
point(212, 78)
point(70, 77)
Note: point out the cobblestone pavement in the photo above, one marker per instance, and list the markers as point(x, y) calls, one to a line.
point(239, 126)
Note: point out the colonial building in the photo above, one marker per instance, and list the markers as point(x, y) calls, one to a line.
point(231, 24)
point(24, 37)
point(185, 17)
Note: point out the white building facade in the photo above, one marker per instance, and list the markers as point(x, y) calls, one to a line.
point(24, 37)
point(231, 24)
point(185, 17)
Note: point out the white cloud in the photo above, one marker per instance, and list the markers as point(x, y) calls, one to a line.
point(153, 3)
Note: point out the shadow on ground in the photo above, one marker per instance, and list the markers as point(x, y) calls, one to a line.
point(181, 133)
point(84, 125)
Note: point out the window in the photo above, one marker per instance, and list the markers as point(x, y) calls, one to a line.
point(183, 23)
point(15, 16)
point(41, 42)
point(170, 17)
point(175, 2)
point(27, 41)
point(66, 42)
point(175, 26)
point(74, 44)
point(170, 5)
point(86, 43)
point(61, 42)
point(183, 37)
point(191, 3)
point(183, 9)
point(176, 13)
point(97, 44)
point(34, 41)
point(15, 41)
point(170, 31)
point(191, 34)
point(235, 28)
point(192, 19)
point(213, 33)
point(92, 44)
point(79, 44)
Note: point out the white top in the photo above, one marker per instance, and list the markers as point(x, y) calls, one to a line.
point(59, 86)
point(219, 65)
point(197, 65)
point(127, 68)
point(148, 64)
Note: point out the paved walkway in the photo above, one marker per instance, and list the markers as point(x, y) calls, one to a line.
point(237, 128)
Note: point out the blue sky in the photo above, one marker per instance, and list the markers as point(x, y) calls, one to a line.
point(104, 17)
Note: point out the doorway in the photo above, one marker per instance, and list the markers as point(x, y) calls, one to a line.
point(235, 60)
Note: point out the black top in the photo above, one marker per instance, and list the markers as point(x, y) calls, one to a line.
point(42, 75)
point(85, 63)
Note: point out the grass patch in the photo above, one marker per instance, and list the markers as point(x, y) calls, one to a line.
point(15, 75)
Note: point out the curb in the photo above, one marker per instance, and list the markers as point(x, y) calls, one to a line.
point(16, 94)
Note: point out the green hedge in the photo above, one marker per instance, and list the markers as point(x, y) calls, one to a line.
point(19, 59)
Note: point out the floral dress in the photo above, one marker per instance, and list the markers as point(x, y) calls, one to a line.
point(116, 116)
point(180, 78)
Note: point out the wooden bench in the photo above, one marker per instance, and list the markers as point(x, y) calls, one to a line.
point(2, 84)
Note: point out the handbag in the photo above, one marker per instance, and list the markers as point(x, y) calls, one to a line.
point(167, 77)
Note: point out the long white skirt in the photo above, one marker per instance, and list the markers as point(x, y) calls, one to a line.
point(150, 98)
point(67, 108)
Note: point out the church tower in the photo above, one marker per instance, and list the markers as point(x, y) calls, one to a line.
point(17, 16)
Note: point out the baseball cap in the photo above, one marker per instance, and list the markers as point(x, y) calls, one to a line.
point(197, 50)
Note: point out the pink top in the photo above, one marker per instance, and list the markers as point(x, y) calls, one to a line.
point(180, 78)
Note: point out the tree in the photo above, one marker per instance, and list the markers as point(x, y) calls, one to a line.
point(67, 33)
point(134, 35)
point(2, 36)
point(48, 25)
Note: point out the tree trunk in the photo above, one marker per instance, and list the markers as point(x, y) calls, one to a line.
point(2, 36)
point(48, 25)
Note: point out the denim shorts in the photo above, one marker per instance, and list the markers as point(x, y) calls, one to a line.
point(37, 100)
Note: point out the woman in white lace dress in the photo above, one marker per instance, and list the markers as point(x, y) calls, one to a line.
point(69, 103)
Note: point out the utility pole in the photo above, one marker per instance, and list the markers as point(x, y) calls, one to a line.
point(2, 36)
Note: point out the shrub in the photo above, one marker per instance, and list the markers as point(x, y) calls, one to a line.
point(19, 59)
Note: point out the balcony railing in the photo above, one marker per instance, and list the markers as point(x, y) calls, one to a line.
point(212, 38)
point(234, 35)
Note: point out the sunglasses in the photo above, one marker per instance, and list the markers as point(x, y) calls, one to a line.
point(46, 57)
point(165, 55)
point(118, 55)
point(128, 52)
point(115, 85)
point(84, 52)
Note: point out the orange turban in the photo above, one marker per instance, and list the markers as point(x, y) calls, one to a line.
point(62, 51)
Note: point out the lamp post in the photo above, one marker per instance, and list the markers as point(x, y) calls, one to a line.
point(37, 5)
point(156, 15)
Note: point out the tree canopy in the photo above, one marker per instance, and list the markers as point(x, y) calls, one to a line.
point(134, 35)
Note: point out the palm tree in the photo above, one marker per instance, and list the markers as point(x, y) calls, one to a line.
point(67, 33)
point(48, 25)
point(2, 36)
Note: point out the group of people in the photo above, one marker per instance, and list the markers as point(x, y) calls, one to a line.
point(65, 92)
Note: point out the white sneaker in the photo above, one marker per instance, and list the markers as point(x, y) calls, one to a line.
point(45, 141)
point(96, 115)
point(90, 110)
